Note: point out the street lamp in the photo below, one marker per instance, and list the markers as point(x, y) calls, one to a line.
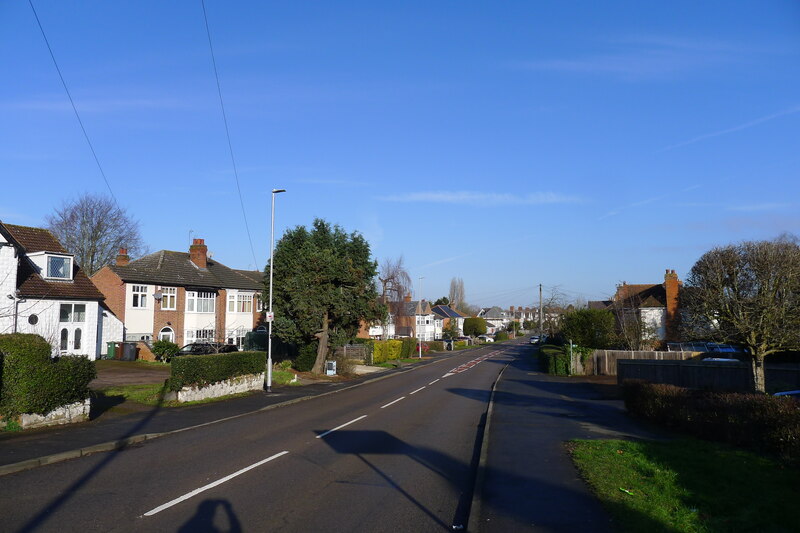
point(419, 319)
point(270, 314)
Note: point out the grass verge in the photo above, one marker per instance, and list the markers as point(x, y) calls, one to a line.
point(689, 486)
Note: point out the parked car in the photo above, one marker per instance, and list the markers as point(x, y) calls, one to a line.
point(204, 348)
point(485, 338)
point(534, 339)
point(719, 360)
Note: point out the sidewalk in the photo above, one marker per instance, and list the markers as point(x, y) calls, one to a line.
point(527, 479)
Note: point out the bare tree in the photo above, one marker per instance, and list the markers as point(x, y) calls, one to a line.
point(747, 294)
point(93, 228)
point(395, 285)
point(456, 295)
point(635, 333)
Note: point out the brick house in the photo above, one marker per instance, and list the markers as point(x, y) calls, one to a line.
point(412, 319)
point(44, 291)
point(445, 315)
point(182, 297)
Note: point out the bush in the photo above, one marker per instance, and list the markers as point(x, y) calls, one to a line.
point(595, 328)
point(408, 348)
point(344, 365)
point(474, 326)
point(383, 351)
point(500, 336)
point(460, 344)
point(555, 360)
point(436, 346)
point(202, 370)
point(306, 358)
point(32, 382)
point(754, 421)
point(164, 350)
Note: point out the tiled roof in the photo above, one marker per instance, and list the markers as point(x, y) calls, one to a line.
point(176, 268)
point(255, 275)
point(495, 313)
point(599, 304)
point(30, 283)
point(642, 295)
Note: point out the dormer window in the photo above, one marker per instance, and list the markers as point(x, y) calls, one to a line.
point(59, 267)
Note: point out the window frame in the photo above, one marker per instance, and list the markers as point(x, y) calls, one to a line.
point(67, 267)
point(169, 294)
point(194, 299)
point(139, 296)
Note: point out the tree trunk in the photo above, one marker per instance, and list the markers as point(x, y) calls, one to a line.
point(322, 348)
point(758, 374)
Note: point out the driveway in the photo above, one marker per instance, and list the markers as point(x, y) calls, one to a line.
point(116, 373)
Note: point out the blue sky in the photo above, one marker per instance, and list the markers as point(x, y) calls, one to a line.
point(573, 144)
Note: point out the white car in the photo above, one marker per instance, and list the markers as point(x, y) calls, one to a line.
point(534, 339)
point(485, 338)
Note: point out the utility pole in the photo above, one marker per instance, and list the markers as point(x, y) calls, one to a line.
point(540, 309)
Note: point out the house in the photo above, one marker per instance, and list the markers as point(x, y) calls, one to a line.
point(653, 305)
point(446, 315)
point(44, 291)
point(182, 297)
point(496, 319)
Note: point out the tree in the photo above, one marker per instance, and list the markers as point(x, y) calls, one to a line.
point(444, 300)
point(746, 294)
point(94, 228)
point(456, 295)
point(590, 328)
point(323, 287)
point(395, 284)
point(474, 326)
point(450, 331)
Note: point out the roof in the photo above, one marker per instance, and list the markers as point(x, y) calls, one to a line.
point(414, 308)
point(642, 295)
point(176, 268)
point(495, 312)
point(255, 275)
point(445, 311)
point(599, 304)
point(30, 283)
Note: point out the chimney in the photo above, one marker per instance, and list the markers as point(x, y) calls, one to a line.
point(123, 258)
point(407, 299)
point(512, 309)
point(198, 253)
point(672, 286)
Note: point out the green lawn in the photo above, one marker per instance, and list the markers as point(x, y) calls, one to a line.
point(689, 486)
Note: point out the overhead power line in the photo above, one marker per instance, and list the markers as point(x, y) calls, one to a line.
point(72, 103)
point(227, 131)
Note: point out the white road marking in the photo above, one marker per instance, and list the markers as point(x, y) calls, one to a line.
point(204, 488)
point(390, 403)
point(419, 389)
point(434, 381)
point(340, 427)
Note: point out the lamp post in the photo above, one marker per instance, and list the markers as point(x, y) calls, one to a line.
point(270, 314)
point(419, 319)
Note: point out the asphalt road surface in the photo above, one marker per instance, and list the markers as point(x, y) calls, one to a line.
point(398, 454)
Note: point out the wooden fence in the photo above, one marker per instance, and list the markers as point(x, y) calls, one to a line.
point(604, 362)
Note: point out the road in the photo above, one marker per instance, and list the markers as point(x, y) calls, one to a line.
point(394, 454)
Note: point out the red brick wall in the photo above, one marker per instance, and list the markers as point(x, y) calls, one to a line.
point(112, 287)
point(174, 319)
point(672, 287)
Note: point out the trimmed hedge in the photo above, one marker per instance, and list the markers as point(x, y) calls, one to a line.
point(436, 346)
point(555, 360)
point(409, 347)
point(32, 382)
point(755, 421)
point(383, 351)
point(500, 336)
point(202, 370)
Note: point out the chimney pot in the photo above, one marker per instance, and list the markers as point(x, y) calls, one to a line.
point(198, 253)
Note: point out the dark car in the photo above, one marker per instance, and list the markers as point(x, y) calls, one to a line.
point(204, 348)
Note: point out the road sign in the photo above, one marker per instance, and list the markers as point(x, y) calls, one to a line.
point(270, 316)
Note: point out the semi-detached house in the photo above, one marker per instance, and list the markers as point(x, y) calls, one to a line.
point(182, 297)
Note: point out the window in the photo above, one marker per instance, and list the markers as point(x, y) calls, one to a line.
point(244, 303)
point(77, 339)
point(64, 339)
point(59, 267)
point(199, 335)
point(72, 313)
point(166, 334)
point(259, 303)
point(200, 302)
point(139, 296)
point(231, 302)
point(33, 320)
point(169, 298)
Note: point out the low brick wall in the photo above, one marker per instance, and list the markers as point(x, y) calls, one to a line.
point(66, 414)
point(235, 385)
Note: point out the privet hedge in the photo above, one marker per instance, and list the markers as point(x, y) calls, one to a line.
point(32, 382)
point(755, 421)
point(202, 370)
point(555, 360)
point(383, 351)
point(436, 346)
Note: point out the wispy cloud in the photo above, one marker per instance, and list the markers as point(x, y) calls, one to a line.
point(482, 199)
point(446, 260)
point(645, 57)
point(740, 127)
point(640, 203)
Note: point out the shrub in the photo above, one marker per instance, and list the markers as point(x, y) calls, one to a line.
point(754, 421)
point(305, 359)
point(202, 370)
point(344, 365)
point(590, 327)
point(408, 348)
point(556, 360)
point(284, 365)
point(436, 346)
point(32, 382)
point(164, 350)
point(501, 336)
point(460, 344)
point(474, 326)
point(386, 351)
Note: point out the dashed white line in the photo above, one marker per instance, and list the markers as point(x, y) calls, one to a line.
point(390, 403)
point(340, 427)
point(416, 391)
point(434, 381)
point(204, 488)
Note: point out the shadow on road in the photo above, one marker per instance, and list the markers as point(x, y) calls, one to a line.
point(208, 516)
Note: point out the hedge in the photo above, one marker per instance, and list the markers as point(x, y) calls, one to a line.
point(555, 360)
point(436, 346)
point(500, 336)
point(202, 370)
point(32, 382)
point(383, 351)
point(409, 347)
point(755, 421)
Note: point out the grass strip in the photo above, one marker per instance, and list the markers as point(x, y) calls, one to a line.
point(689, 485)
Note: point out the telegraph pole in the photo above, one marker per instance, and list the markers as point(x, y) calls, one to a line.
point(540, 309)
